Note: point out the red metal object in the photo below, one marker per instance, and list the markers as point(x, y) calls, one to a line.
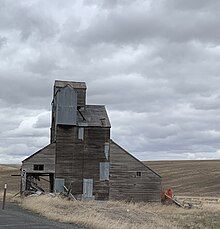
point(167, 196)
point(169, 192)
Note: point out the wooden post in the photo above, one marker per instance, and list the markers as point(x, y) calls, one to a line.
point(4, 197)
point(23, 181)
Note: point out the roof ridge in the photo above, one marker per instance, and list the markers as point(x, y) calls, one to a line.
point(136, 158)
point(38, 151)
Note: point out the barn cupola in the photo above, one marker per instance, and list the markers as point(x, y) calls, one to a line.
point(79, 87)
point(68, 98)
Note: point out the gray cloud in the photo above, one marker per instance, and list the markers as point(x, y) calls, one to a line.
point(27, 19)
point(188, 5)
point(155, 64)
point(141, 22)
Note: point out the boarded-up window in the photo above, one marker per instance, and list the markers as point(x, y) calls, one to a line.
point(87, 188)
point(38, 167)
point(106, 150)
point(58, 185)
point(81, 133)
point(104, 171)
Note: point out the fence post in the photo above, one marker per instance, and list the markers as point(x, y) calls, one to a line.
point(4, 197)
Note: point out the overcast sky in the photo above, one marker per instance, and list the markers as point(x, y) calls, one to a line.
point(154, 64)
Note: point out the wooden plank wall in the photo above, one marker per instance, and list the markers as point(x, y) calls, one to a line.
point(95, 138)
point(81, 97)
point(45, 156)
point(124, 182)
point(77, 159)
point(69, 157)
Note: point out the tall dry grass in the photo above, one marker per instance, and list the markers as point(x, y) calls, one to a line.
point(121, 215)
point(97, 214)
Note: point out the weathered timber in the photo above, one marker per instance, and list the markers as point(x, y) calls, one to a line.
point(45, 156)
point(130, 179)
point(81, 155)
point(79, 159)
point(80, 88)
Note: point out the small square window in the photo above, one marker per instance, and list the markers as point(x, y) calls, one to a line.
point(138, 174)
point(39, 167)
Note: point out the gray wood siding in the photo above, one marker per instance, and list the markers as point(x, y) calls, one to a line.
point(69, 157)
point(95, 138)
point(45, 156)
point(124, 182)
point(81, 97)
point(80, 159)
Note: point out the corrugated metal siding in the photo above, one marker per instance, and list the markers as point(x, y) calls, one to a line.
point(66, 101)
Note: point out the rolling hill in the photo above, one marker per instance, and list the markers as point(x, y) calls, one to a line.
point(190, 178)
point(187, 178)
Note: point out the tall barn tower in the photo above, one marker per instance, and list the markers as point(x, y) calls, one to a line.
point(82, 136)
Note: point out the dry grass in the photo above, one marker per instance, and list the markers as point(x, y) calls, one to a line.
point(120, 215)
point(189, 178)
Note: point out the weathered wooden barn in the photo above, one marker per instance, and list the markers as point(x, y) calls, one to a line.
point(82, 156)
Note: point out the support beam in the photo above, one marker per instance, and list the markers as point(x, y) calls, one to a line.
point(51, 177)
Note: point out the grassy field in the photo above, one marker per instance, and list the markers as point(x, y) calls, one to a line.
point(190, 178)
point(187, 178)
point(120, 215)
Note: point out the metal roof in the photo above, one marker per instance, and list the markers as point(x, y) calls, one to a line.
point(93, 115)
point(75, 85)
